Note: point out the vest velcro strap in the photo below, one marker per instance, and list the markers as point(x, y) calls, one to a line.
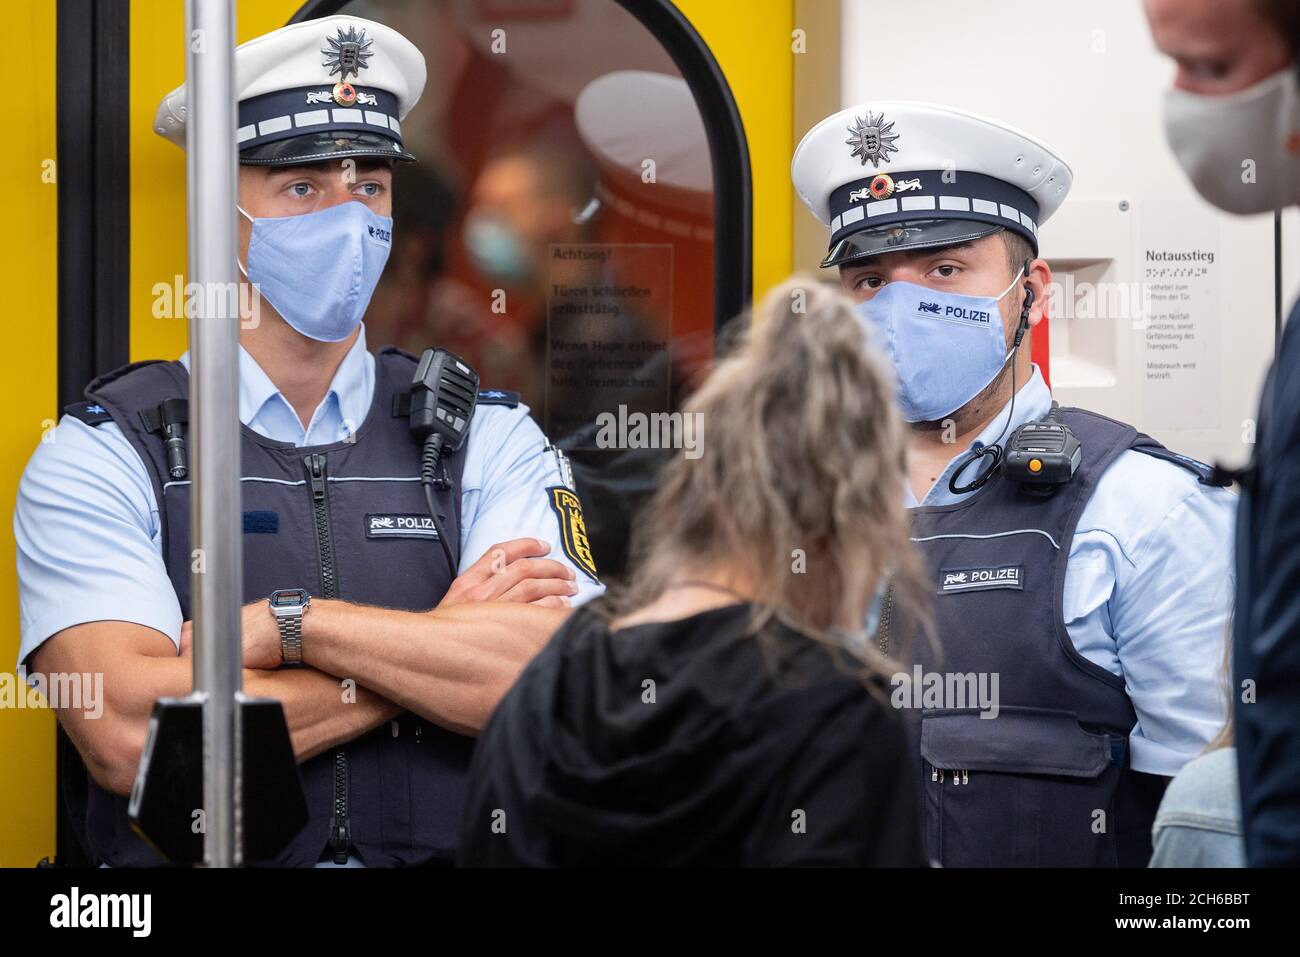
point(1205, 474)
point(167, 412)
point(92, 413)
point(402, 400)
point(1224, 476)
point(499, 397)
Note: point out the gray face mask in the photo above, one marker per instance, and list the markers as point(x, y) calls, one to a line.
point(1241, 151)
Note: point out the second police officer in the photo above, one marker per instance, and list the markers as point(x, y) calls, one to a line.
point(1095, 613)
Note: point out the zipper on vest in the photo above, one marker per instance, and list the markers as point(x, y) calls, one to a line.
point(886, 612)
point(340, 825)
point(340, 840)
point(315, 465)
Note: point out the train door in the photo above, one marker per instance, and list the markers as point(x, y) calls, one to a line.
point(580, 227)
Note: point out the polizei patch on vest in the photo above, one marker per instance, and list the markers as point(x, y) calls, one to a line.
point(573, 530)
point(981, 578)
point(392, 525)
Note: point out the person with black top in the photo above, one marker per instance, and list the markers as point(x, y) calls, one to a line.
point(729, 708)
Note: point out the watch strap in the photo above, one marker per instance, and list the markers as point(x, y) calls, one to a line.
point(290, 637)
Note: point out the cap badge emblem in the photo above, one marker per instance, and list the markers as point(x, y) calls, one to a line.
point(348, 53)
point(872, 138)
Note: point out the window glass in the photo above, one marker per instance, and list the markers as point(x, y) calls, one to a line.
point(557, 231)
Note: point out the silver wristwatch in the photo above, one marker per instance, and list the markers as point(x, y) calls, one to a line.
point(288, 605)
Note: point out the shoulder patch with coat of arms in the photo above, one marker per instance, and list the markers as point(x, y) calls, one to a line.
point(573, 529)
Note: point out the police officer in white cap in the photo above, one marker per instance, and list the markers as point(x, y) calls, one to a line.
point(1081, 570)
point(342, 560)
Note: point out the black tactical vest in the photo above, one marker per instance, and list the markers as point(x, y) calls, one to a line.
point(1047, 781)
point(347, 520)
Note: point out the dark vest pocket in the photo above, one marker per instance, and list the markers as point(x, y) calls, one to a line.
point(1027, 788)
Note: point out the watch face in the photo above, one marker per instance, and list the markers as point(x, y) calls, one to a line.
point(288, 598)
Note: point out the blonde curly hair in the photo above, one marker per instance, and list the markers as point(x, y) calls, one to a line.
point(799, 490)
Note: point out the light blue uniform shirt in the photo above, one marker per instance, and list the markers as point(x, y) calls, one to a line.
point(1148, 587)
point(86, 523)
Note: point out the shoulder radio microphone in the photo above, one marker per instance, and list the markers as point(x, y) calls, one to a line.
point(444, 393)
point(1043, 455)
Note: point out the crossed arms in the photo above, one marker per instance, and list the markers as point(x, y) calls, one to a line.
point(451, 665)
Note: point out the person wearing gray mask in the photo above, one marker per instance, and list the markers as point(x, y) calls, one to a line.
point(1233, 121)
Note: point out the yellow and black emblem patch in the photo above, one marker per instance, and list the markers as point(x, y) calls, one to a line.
point(573, 530)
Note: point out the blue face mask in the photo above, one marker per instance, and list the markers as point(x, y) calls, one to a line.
point(945, 347)
point(319, 270)
point(496, 249)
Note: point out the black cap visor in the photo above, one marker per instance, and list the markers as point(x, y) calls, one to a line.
point(901, 237)
point(323, 147)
